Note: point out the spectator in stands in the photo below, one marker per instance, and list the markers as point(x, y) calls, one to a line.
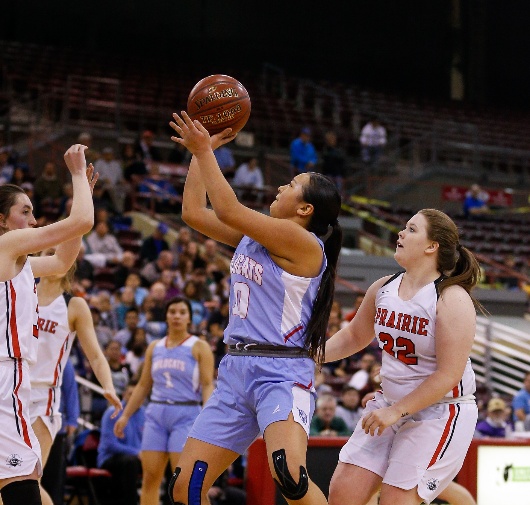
point(134, 280)
point(107, 312)
point(199, 312)
point(303, 153)
point(158, 292)
point(183, 272)
point(48, 188)
point(158, 187)
point(248, 177)
point(136, 347)
point(84, 271)
point(179, 155)
point(132, 320)
point(167, 277)
point(333, 160)
point(92, 155)
point(144, 148)
point(103, 333)
point(102, 241)
point(121, 373)
point(325, 422)
point(360, 380)
point(225, 160)
point(111, 176)
point(125, 303)
point(373, 141)
point(349, 408)
point(103, 201)
point(120, 456)
point(133, 166)
point(20, 177)
point(521, 406)
point(154, 244)
point(508, 280)
point(126, 266)
point(475, 202)
point(153, 270)
point(6, 168)
point(495, 424)
point(211, 254)
point(181, 243)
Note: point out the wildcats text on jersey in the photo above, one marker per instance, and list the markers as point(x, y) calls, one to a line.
point(247, 267)
point(401, 321)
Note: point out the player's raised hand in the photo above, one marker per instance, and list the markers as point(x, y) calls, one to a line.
point(192, 134)
point(75, 159)
point(92, 177)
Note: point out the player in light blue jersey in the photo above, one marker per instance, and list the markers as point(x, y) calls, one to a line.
point(178, 376)
point(281, 291)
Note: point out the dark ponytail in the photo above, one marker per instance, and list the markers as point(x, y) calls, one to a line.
point(322, 193)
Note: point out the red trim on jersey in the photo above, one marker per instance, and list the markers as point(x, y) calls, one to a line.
point(179, 344)
point(13, 322)
point(25, 433)
point(50, 401)
point(292, 332)
point(445, 434)
point(303, 386)
point(456, 393)
point(57, 365)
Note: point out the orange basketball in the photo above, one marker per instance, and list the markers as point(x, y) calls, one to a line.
point(219, 102)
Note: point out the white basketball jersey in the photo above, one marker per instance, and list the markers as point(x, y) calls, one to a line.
point(405, 330)
point(55, 344)
point(18, 316)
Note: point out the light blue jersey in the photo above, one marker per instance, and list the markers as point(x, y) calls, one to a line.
point(267, 304)
point(175, 373)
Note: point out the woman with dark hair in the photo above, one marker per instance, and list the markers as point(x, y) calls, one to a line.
point(62, 317)
point(177, 373)
point(281, 291)
point(415, 433)
point(19, 447)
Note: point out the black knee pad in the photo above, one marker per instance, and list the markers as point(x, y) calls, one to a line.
point(286, 484)
point(21, 491)
point(195, 484)
point(171, 485)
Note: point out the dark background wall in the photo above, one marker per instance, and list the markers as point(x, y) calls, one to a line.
point(404, 46)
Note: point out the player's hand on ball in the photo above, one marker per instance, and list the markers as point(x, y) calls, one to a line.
point(193, 135)
point(378, 420)
point(222, 138)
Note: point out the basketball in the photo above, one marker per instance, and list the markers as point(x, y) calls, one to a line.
point(219, 102)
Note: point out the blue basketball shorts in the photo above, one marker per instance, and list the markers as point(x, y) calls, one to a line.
point(253, 392)
point(166, 427)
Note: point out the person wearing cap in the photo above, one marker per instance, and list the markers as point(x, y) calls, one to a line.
point(495, 424)
point(145, 149)
point(303, 153)
point(154, 244)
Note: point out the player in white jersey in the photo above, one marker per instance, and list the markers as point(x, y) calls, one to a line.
point(20, 463)
point(178, 376)
point(281, 291)
point(62, 317)
point(413, 436)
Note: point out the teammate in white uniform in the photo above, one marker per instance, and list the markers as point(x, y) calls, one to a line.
point(281, 291)
point(61, 318)
point(20, 455)
point(414, 435)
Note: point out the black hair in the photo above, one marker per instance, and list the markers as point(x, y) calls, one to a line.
point(178, 299)
point(322, 193)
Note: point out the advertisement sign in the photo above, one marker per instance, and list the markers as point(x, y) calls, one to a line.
point(503, 475)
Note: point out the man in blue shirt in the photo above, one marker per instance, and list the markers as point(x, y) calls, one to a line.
point(303, 154)
point(120, 455)
point(475, 202)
